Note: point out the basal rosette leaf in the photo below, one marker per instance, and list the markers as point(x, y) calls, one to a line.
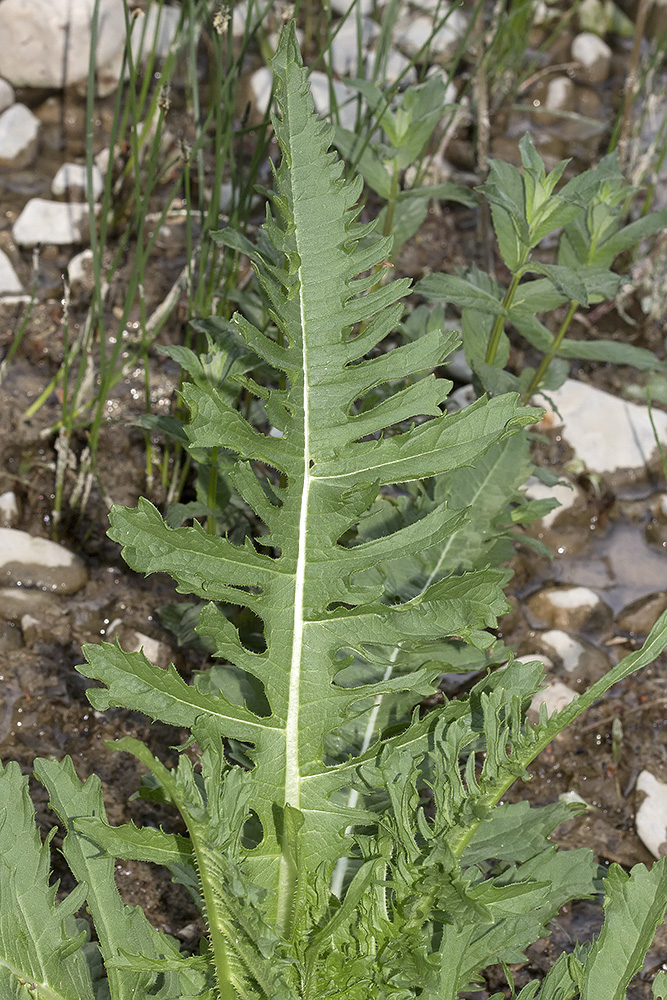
point(40, 943)
point(310, 485)
point(121, 930)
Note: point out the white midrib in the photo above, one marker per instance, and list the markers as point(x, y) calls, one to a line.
point(292, 774)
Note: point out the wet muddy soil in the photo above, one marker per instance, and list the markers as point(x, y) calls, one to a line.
point(43, 708)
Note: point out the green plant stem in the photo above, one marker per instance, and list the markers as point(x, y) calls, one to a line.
point(552, 352)
point(499, 324)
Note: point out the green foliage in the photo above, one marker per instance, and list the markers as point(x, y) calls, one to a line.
point(526, 206)
point(310, 768)
point(408, 121)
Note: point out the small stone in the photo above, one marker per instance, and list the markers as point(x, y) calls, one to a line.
point(81, 275)
point(589, 103)
point(345, 45)
point(594, 56)
point(556, 696)
point(239, 18)
point(71, 180)
point(7, 95)
point(261, 85)
point(639, 617)
point(341, 7)
point(9, 510)
point(417, 34)
point(47, 44)
point(560, 96)
point(570, 609)
point(10, 637)
point(570, 498)
point(19, 135)
point(577, 657)
point(9, 282)
point(394, 66)
point(155, 32)
point(651, 817)
point(27, 561)
point(613, 437)
point(345, 98)
point(102, 160)
point(15, 602)
point(155, 650)
point(458, 368)
point(53, 223)
point(30, 629)
point(460, 398)
point(567, 649)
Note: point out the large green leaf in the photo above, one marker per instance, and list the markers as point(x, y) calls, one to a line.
point(121, 930)
point(635, 905)
point(40, 943)
point(306, 594)
point(316, 755)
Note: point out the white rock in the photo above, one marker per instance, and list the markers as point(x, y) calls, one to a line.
point(9, 282)
point(561, 95)
point(102, 160)
point(460, 398)
point(7, 95)
point(53, 223)
point(431, 7)
point(345, 44)
point(570, 609)
point(28, 561)
point(155, 650)
point(365, 7)
point(594, 56)
point(606, 433)
point(239, 18)
point(16, 602)
point(451, 95)
point(573, 597)
point(9, 509)
point(19, 135)
point(155, 32)
point(150, 32)
point(72, 179)
point(345, 97)
point(567, 497)
point(80, 274)
point(567, 649)
point(456, 366)
point(555, 696)
point(395, 65)
point(46, 43)
point(651, 817)
point(261, 84)
point(30, 628)
point(412, 36)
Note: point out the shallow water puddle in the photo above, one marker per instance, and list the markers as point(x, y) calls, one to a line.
point(620, 565)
